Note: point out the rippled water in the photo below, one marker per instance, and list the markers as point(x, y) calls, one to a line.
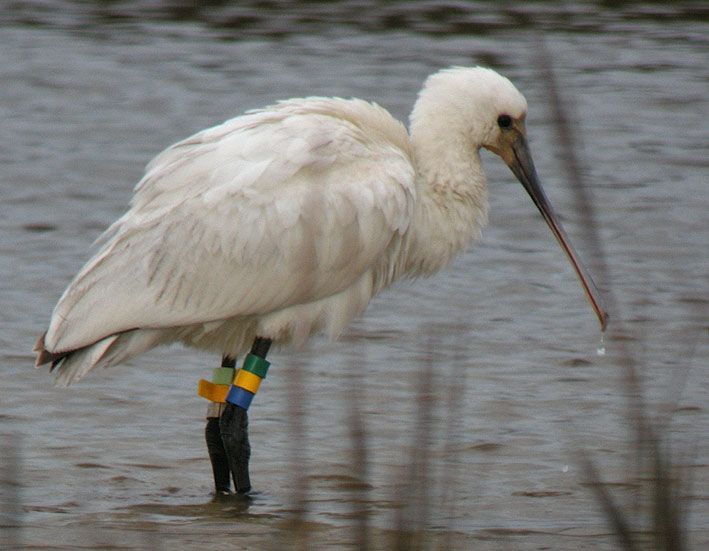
point(475, 389)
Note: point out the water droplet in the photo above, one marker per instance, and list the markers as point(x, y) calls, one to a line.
point(601, 350)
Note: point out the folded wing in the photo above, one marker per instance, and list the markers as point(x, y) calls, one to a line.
point(279, 207)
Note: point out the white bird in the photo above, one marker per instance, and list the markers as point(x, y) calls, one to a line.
point(287, 221)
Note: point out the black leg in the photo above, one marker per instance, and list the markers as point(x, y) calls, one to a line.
point(215, 446)
point(234, 428)
point(260, 347)
point(217, 455)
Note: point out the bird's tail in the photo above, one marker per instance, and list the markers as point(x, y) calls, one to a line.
point(72, 365)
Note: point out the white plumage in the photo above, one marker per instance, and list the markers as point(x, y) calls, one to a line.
point(284, 222)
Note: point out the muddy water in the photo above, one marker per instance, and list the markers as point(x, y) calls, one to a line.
point(475, 390)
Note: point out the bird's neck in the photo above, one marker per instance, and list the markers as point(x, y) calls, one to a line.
point(452, 203)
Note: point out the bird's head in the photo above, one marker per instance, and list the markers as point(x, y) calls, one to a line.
point(487, 111)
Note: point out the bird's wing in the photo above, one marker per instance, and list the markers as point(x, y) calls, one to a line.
point(278, 207)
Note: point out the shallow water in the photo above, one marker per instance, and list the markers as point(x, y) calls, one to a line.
point(475, 389)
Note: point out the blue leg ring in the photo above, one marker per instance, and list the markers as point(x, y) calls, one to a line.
point(239, 397)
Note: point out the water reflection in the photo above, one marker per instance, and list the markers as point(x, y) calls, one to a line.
point(274, 20)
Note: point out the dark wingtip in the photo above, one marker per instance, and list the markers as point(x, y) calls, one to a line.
point(39, 347)
point(44, 356)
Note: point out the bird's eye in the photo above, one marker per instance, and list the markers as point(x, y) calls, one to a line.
point(504, 121)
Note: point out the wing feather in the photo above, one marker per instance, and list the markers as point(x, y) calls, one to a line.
point(276, 208)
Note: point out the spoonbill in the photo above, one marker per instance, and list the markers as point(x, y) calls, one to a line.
point(285, 222)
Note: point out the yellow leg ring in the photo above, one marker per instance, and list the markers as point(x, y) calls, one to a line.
point(247, 381)
point(210, 391)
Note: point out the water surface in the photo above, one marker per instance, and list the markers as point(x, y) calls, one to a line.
point(475, 389)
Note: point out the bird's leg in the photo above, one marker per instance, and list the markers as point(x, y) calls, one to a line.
point(234, 421)
point(213, 436)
